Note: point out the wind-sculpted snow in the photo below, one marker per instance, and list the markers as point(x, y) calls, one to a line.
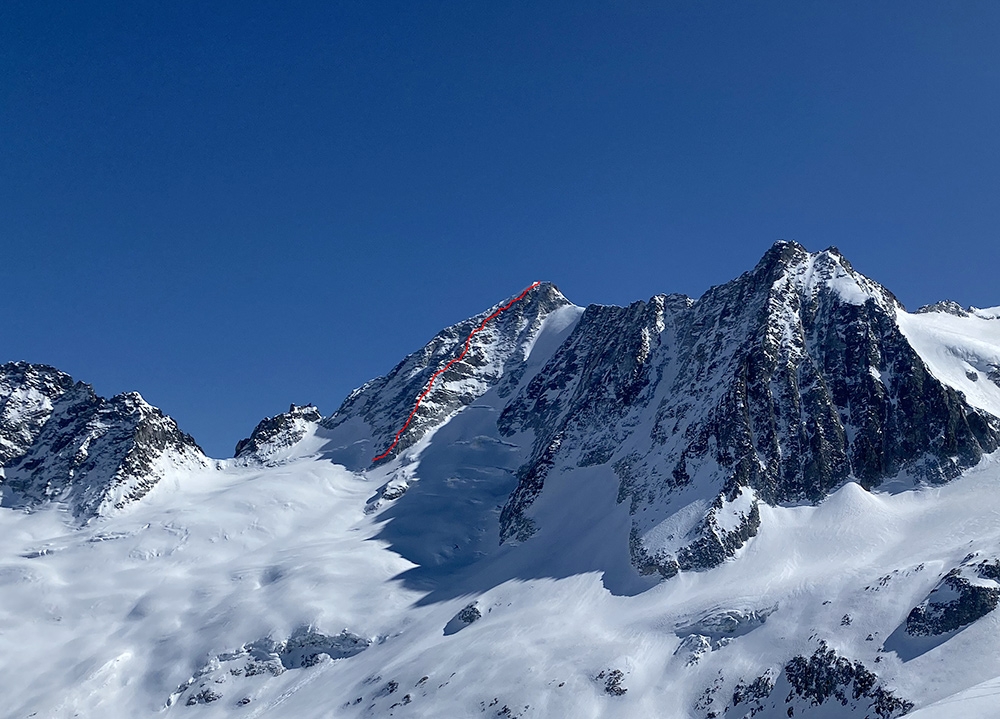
point(961, 350)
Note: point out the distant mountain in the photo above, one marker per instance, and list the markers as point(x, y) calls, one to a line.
point(274, 434)
point(775, 500)
point(61, 442)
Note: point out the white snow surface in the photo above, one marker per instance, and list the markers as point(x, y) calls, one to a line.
point(962, 352)
point(111, 619)
point(988, 313)
point(982, 700)
point(826, 269)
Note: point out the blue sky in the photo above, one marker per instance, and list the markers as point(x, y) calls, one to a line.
point(230, 207)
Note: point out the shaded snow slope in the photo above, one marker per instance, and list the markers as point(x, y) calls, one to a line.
point(978, 702)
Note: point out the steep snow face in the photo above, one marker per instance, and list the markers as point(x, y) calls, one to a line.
point(960, 349)
point(366, 423)
point(65, 444)
point(828, 273)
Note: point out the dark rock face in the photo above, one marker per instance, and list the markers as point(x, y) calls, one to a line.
point(470, 614)
point(786, 382)
point(753, 693)
point(27, 394)
point(613, 679)
point(205, 696)
point(531, 478)
point(61, 442)
point(826, 677)
point(581, 402)
point(989, 569)
point(824, 684)
point(778, 386)
point(958, 600)
point(273, 434)
point(305, 645)
point(495, 357)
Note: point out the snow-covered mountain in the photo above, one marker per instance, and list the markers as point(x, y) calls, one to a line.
point(61, 442)
point(778, 499)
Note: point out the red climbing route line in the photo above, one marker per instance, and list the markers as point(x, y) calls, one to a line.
point(444, 369)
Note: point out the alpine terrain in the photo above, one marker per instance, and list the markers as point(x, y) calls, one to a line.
point(780, 499)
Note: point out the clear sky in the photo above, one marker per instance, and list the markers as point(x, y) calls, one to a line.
point(233, 206)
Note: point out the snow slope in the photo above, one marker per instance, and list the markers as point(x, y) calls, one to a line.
point(963, 352)
point(111, 619)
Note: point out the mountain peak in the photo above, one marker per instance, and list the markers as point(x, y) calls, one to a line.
point(788, 265)
point(543, 295)
point(59, 441)
point(274, 434)
point(782, 253)
point(491, 353)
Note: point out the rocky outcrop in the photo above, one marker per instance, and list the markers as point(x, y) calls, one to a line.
point(823, 684)
point(946, 306)
point(274, 434)
point(469, 614)
point(965, 594)
point(827, 677)
point(237, 674)
point(61, 442)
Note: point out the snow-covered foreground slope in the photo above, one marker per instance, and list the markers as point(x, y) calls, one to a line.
point(779, 499)
point(981, 700)
point(112, 619)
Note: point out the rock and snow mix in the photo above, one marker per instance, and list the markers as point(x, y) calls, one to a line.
point(775, 500)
